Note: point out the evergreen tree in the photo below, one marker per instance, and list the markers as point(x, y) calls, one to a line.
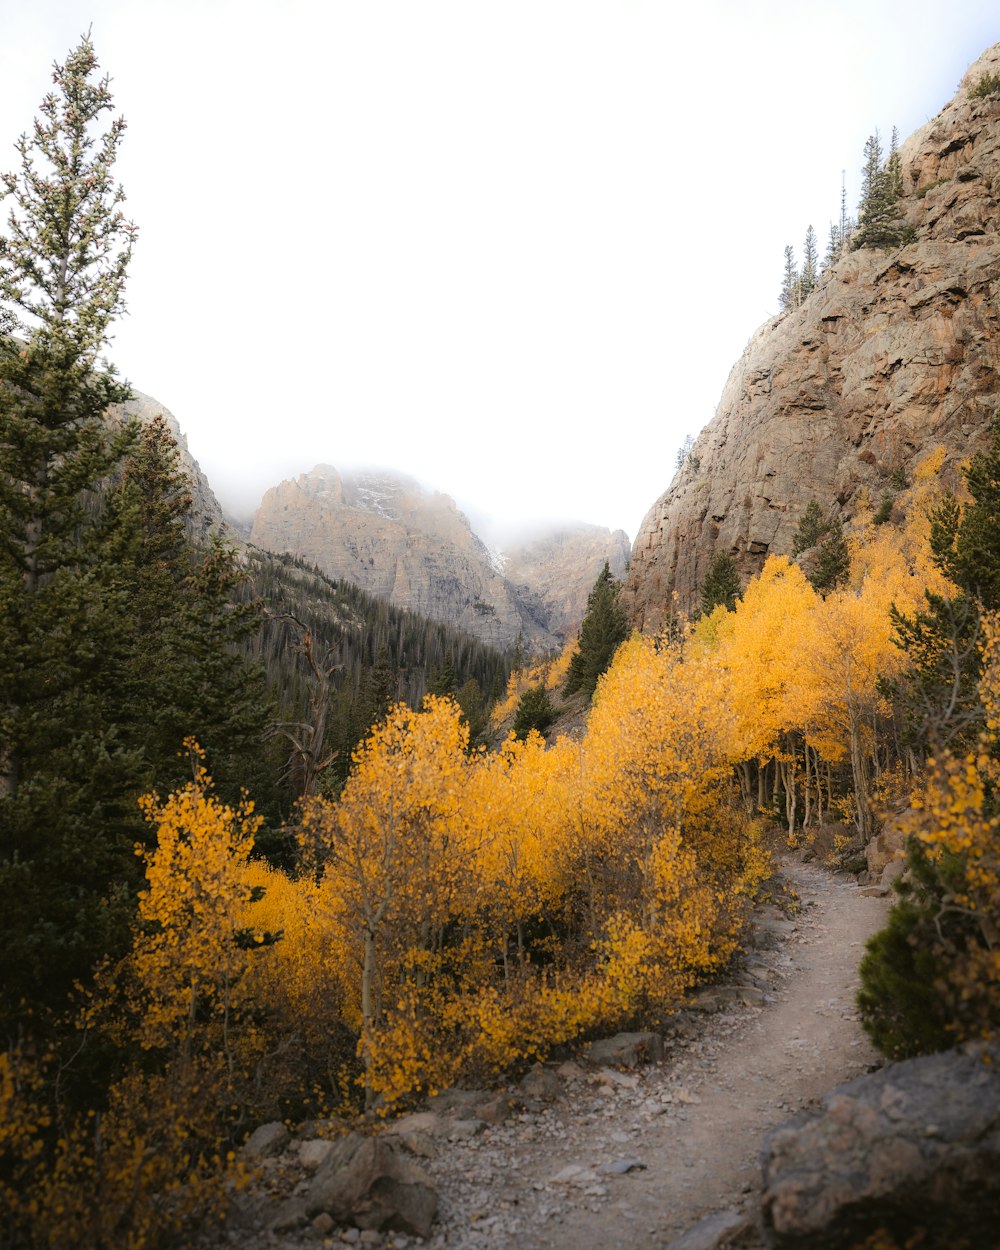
point(844, 223)
point(443, 680)
point(834, 246)
point(811, 528)
point(810, 264)
point(790, 296)
point(938, 697)
point(534, 711)
point(182, 668)
point(722, 585)
point(833, 561)
point(117, 638)
point(894, 166)
point(966, 544)
point(881, 222)
point(66, 771)
point(475, 710)
point(605, 627)
point(378, 690)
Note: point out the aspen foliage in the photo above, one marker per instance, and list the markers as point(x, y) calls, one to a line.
point(154, 1159)
point(549, 674)
point(455, 914)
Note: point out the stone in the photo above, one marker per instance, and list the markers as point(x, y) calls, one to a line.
point(313, 1153)
point(620, 1167)
point(718, 997)
point(892, 353)
point(625, 1050)
point(892, 871)
point(428, 1122)
point(266, 1140)
point(369, 1182)
point(540, 1082)
point(495, 1110)
point(289, 1216)
point(465, 1130)
point(323, 1224)
point(888, 844)
point(914, 1147)
point(420, 1144)
point(713, 1232)
point(611, 1078)
point(462, 1100)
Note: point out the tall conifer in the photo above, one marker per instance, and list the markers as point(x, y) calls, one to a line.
point(605, 627)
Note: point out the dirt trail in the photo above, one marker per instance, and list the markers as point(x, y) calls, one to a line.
point(642, 1161)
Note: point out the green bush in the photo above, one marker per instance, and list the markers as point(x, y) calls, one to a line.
point(910, 991)
point(989, 84)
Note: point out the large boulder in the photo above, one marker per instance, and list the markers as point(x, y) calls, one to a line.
point(370, 1183)
point(914, 1147)
point(625, 1050)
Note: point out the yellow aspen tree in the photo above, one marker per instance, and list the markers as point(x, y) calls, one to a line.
point(399, 857)
point(192, 953)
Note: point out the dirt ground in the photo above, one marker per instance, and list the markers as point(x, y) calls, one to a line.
point(598, 1157)
point(690, 1128)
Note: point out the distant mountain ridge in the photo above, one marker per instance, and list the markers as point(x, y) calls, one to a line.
point(387, 534)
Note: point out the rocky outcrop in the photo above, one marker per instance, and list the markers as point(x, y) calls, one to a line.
point(914, 1148)
point(206, 514)
point(387, 534)
point(556, 571)
point(892, 354)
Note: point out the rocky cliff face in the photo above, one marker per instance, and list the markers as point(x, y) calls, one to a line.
point(893, 354)
point(555, 572)
point(388, 535)
point(395, 540)
point(206, 512)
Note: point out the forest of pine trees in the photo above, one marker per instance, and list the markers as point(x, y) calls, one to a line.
point(254, 863)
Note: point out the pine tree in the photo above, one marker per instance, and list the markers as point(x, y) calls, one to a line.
point(833, 561)
point(790, 296)
point(443, 680)
point(811, 528)
point(183, 669)
point(881, 222)
point(534, 712)
point(834, 246)
point(475, 710)
point(605, 627)
point(966, 544)
point(117, 637)
point(722, 585)
point(844, 224)
point(65, 768)
point(810, 264)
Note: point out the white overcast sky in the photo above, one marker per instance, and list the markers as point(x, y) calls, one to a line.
point(512, 247)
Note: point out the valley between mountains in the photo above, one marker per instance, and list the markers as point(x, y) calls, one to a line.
point(593, 1155)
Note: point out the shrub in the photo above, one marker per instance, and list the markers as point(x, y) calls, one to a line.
point(988, 85)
